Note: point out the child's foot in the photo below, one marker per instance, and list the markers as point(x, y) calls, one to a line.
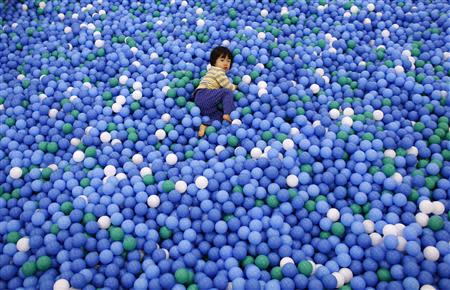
point(227, 117)
point(202, 130)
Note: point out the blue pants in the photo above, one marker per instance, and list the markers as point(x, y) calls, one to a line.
point(208, 100)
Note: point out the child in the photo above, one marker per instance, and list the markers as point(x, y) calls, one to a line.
point(215, 89)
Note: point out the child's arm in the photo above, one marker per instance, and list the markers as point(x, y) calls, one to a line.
point(225, 82)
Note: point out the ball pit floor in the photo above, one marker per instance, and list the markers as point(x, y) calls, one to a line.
point(335, 172)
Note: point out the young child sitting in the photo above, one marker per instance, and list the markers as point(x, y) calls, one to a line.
point(215, 89)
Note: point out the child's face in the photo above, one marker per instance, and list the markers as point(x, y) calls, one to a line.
point(224, 62)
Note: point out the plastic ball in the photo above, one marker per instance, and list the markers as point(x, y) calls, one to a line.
point(61, 284)
point(23, 245)
point(201, 182)
point(15, 172)
point(171, 159)
point(104, 222)
point(431, 253)
point(292, 180)
point(153, 201)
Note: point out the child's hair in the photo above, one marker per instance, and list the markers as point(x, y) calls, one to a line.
point(218, 52)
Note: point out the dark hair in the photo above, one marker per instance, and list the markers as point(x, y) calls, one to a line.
point(218, 52)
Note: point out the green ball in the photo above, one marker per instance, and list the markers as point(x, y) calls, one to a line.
point(384, 275)
point(13, 237)
point(113, 82)
point(168, 186)
point(129, 244)
point(233, 141)
point(46, 173)
point(29, 268)
point(165, 232)
point(388, 169)
point(435, 223)
point(43, 263)
point(116, 234)
point(52, 147)
point(247, 261)
point(90, 152)
point(272, 201)
point(338, 229)
point(54, 229)
point(67, 128)
point(262, 262)
point(305, 267)
point(66, 207)
point(148, 179)
point(88, 217)
point(276, 273)
point(184, 276)
point(310, 205)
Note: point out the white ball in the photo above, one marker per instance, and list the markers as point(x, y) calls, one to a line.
point(123, 79)
point(399, 69)
point(390, 153)
point(284, 10)
point(99, 43)
point(348, 112)
point(371, 7)
point(262, 84)
point(438, 208)
point(15, 172)
point(42, 97)
point(110, 170)
point(385, 33)
point(226, 43)
point(199, 11)
point(137, 158)
point(75, 16)
point(315, 88)
point(200, 22)
point(264, 13)
point(154, 55)
point(369, 226)
point(165, 117)
point(431, 253)
point(165, 89)
point(121, 99)
point(413, 151)
point(219, 148)
point(256, 153)
point(145, 171)
point(247, 79)
point(116, 107)
point(78, 156)
point(262, 92)
point(171, 159)
point(398, 178)
point(134, 49)
point(91, 26)
point(347, 121)
point(201, 182)
point(181, 186)
point(288, 144)
point(320, 71)
point(292, 180)
point(52, 113)
point(260, 65)
point(20, 77)
point(261, 35)
point(61, 284)
point(422, 219)
point(105, 137)
point(153, 201)
point(104, 222)
point(75, 141)
point(375, 238)
point(53, 167)
point(136, 63)
point(137, 95)
point(426, 206)
point(184, 3)
point(316, 123)
point(427, 287)
point(332, 50)
point(160, 134)
point(286, 260)
point(236, 122)
point(23, 244)
point(25, 8)
point(347, 14)
point(121, 176)
point(333, 214)
point(115, 141)
point(390, 230)
point(340, 281)
point(67, 29)
point(334, 114)
point(137, 85)
point(354, 9)
point(294, 131)
point(347, 274)
point(401, 243)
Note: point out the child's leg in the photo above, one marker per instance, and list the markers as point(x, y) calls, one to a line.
point(208, 100)
point(227, 101)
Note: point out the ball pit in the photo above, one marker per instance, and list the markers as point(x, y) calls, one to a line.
point(333, 174)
